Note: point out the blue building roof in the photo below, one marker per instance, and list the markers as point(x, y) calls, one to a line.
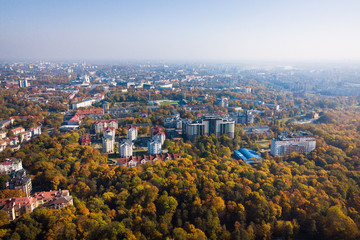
point(247, 155)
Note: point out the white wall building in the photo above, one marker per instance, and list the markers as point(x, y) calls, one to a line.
point(132, 133)
point(126, 149)
point(154, 146)
point(285, 145)
point(9, 165)
point(86, 103)
point(108, 145)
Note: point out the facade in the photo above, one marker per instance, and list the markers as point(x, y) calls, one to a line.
point(10, 165)
point(126, 149)
point(154, 146)
point(286, 144)
point(132, 133)
point(209, 124)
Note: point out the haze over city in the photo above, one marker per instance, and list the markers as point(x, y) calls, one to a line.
point(180, 30)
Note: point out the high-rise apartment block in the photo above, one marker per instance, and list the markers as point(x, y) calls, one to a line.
point(210, 124)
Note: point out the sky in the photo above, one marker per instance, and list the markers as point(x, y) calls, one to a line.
point(180, 30)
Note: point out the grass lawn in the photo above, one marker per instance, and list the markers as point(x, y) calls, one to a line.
point(168, 103)
point(264, 144)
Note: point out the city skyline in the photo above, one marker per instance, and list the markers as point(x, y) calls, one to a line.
point(180, 31)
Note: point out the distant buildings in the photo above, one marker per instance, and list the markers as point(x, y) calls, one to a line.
point(83, 104)
point(86, 140)
point(173, 122)
point(257, 130)
point(209, 124)
point(134, 161)
point(246, 117)
point(288, 143)
point(223, 102)
point(106, 107)
point(23, 83)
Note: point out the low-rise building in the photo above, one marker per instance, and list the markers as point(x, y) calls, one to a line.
point(18, 130)
point(25, 136)
point(18, 206)
point(86, 140)
point(102, 125)
point(294, 142)
point(35, 131)
point(247, 155)
point(135, 161)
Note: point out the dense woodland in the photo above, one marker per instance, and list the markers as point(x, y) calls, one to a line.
point(205, 195)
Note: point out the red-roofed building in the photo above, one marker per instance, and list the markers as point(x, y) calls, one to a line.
point(102, 125)
point(16, 207)
point(157, 133)
point(86, 140)
point(18, 130)
point(93, 111)
point(134, 161)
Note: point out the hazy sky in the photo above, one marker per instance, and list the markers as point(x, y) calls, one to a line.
point(227, 30)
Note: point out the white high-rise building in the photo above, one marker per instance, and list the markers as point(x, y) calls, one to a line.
point(108, 144)
point(108, 140)
point(154, 146)
point(126, 149)
point(132, 133)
